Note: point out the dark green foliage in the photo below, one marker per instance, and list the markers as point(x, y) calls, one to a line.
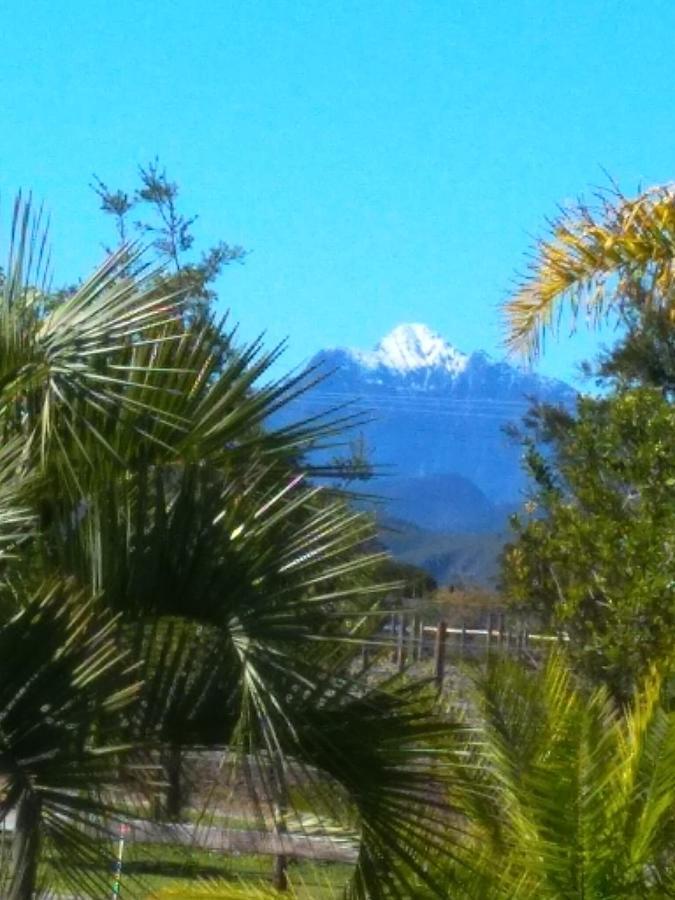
point(63, 687)
point(595, 557)
point(138, 475)
point(645, 355)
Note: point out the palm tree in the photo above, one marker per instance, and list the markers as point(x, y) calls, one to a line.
point(564, 794)
point(61, 675)
point(205, 592)
point(598, 259)
point(546, 791)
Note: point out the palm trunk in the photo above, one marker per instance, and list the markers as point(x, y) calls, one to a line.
point(25, 847)
point(280, 873)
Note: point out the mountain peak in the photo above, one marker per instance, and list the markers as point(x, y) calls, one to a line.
point(412, 346)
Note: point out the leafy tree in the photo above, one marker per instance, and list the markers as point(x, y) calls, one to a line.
point(643, 356)
point(595, 557)
point(167, 231)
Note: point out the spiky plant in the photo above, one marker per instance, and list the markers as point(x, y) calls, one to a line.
point(140, 470)
point(597, 259)
point(63, 685)
point(565, 794)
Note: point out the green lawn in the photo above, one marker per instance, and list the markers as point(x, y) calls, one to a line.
point(148, 868)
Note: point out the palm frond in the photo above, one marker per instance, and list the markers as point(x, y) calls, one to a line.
point(64, 369)
point(596, 260)
point(62, 684)
point(17, 512)
point(570, 794)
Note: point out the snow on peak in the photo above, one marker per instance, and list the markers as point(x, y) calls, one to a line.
point(410, 347)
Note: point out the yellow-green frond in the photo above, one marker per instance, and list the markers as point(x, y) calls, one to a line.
point(595, 259)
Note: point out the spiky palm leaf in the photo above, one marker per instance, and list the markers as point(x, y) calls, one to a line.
point(254, 575)
point(64, 371)
point(271, 568)
point(161, 493)
point(113, 370)
point(63, 683)
point(384, 747)
point(17, 490)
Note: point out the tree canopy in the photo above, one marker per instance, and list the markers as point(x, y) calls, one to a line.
point(177, 578)
point(595, 556)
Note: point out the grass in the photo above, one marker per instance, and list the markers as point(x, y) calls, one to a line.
point(150, 868)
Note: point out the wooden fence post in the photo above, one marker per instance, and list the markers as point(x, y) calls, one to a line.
point(488, 636)
point(439, 653)
point(412, 639)
point(400, 643)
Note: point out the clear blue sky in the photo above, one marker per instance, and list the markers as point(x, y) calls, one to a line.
point(383, 161)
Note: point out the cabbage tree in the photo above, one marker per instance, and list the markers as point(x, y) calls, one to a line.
point(209, 595)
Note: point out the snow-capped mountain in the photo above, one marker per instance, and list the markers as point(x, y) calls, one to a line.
point(413, 358)
point(437, 435)
point(436, 412)
point(412, 348)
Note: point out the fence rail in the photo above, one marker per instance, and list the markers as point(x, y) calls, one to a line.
point(410, 640)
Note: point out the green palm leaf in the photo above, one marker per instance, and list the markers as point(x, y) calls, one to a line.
point(62, 684)
point(566, 795)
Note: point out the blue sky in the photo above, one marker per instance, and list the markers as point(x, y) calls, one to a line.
point(383, 161)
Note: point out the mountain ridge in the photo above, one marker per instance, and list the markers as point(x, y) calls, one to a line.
point(414, 357)
point(436, 410)
point(436, 425)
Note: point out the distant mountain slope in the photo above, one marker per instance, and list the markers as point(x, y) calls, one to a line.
point(437, 412)
point(440, 502)
point(467, 559)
